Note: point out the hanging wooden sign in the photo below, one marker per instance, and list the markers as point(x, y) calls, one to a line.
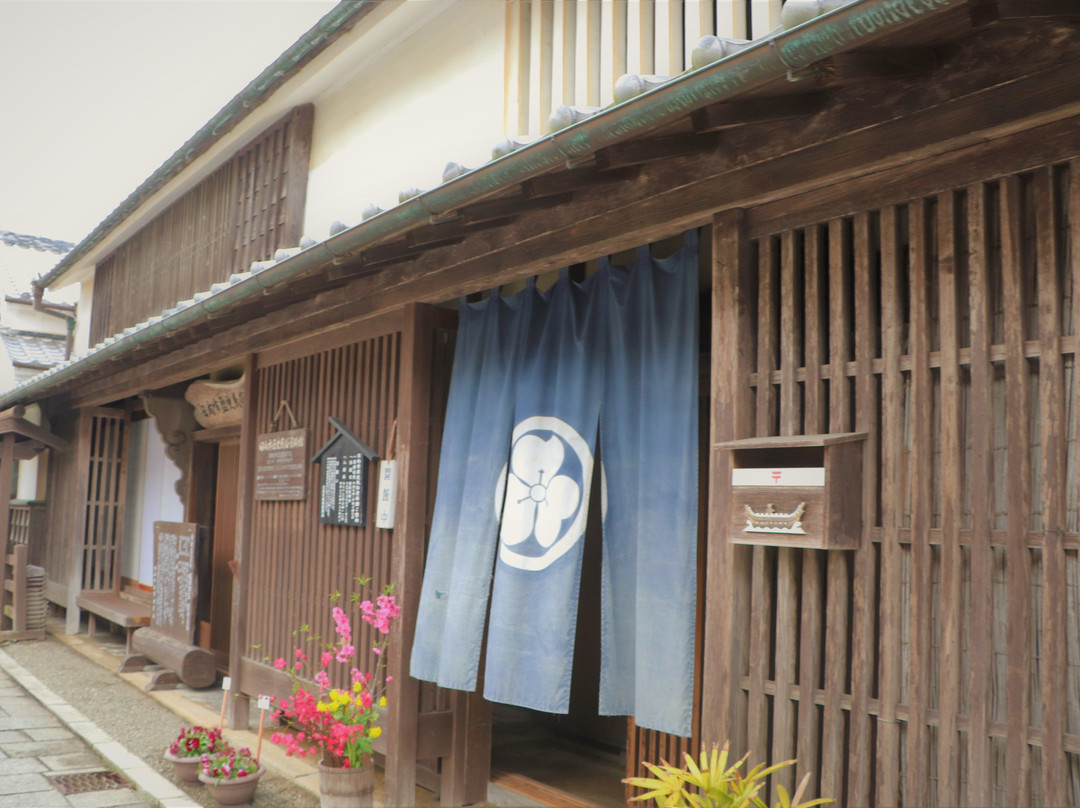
point(343, 478)
point(281, 465)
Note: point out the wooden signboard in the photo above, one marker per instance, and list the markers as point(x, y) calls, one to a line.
point(343, 478)
point(176, 548)
point(281, 465)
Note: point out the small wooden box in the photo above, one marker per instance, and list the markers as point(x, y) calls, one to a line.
point(797, 491)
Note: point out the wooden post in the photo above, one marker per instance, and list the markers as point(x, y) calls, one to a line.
point(7, 458)
point(84, 433)
point(407, 554)
point(727, 565)
point(239, 708)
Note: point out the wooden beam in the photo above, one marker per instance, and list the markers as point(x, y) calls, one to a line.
point(729, 114)
point(991, 11)
point(510, 207)
point(860, 67)
point(645, 151)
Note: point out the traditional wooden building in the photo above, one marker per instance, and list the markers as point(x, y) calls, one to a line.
point(887, 199)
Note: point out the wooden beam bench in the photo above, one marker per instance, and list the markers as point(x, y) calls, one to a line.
point(123, 610)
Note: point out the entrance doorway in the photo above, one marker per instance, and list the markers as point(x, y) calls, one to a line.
point(212, 505)
point(577, 759)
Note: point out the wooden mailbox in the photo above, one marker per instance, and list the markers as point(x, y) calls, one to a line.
point(797, 491)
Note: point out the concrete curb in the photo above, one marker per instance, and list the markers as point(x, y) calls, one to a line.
point(146, 781)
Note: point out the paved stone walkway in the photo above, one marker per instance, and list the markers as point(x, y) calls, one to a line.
point(42, 738)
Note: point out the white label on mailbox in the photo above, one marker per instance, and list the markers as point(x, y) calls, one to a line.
point(264, 702)
point(226, 683)
point(792, 477)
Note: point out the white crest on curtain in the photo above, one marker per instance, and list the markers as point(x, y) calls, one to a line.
point(543, 493)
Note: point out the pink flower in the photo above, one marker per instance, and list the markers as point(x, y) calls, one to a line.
point(389, 678)
point(322, 680)
point(300, 654)
point(345, 652)
point(376, 650)
point(279, 663)
point(326, 658)
point(299, 665)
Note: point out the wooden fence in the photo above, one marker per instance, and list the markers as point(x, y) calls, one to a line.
point(939, 663)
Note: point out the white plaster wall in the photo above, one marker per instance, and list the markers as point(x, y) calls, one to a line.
point(24, 317)
point(435, 96)
point(81, 338)
point(26, 485)
point(151, 497)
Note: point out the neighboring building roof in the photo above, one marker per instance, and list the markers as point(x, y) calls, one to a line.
point(35, 242)
point(24, 258)
point(32, 349)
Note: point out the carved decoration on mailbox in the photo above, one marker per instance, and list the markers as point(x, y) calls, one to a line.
point(769, 521)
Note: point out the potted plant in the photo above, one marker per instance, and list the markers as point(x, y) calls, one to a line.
point(231, 774)
point(715, 784)
point(185, 753)
point(339, 724)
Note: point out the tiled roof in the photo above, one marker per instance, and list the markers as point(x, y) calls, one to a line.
point(32, 349)
point(222, 295)
point(34, 242)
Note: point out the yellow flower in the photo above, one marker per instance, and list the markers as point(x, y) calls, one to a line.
point(375, 732)
point(357, 687)
point(382, 701)
point(322, 707)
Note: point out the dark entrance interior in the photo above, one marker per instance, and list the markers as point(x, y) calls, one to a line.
point(577, 759)
point(212, 505)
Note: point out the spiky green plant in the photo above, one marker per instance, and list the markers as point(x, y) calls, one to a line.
point(712, 783)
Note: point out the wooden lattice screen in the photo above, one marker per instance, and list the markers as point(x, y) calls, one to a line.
point(296, 563)
point(243, 212)
point(104, 441)
point(939, 664)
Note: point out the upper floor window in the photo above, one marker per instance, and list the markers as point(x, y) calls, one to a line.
point(572, 51)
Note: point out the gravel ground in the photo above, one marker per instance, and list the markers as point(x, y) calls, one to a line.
point(134, 719)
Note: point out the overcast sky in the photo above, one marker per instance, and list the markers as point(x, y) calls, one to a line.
point(97, 94)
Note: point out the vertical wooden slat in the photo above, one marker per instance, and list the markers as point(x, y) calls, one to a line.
point(862, 660)
point(517, 80)
point(1052, 423)
point(592, 39)
point(952, 464)
point(892, 431)
point(731, 19)
point(760, 620)
point(920, 453)
point(833, 756)
point(786, 640)
point(1019, 493)
point(767, 346)
point(811, 628)
point(727, 573)
point(981, 474)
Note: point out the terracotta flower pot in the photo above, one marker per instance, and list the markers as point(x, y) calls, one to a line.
point(346, 788)
point(186, 769)
point(234, 791)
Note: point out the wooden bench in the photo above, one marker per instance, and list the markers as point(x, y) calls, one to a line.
point(123, 610)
